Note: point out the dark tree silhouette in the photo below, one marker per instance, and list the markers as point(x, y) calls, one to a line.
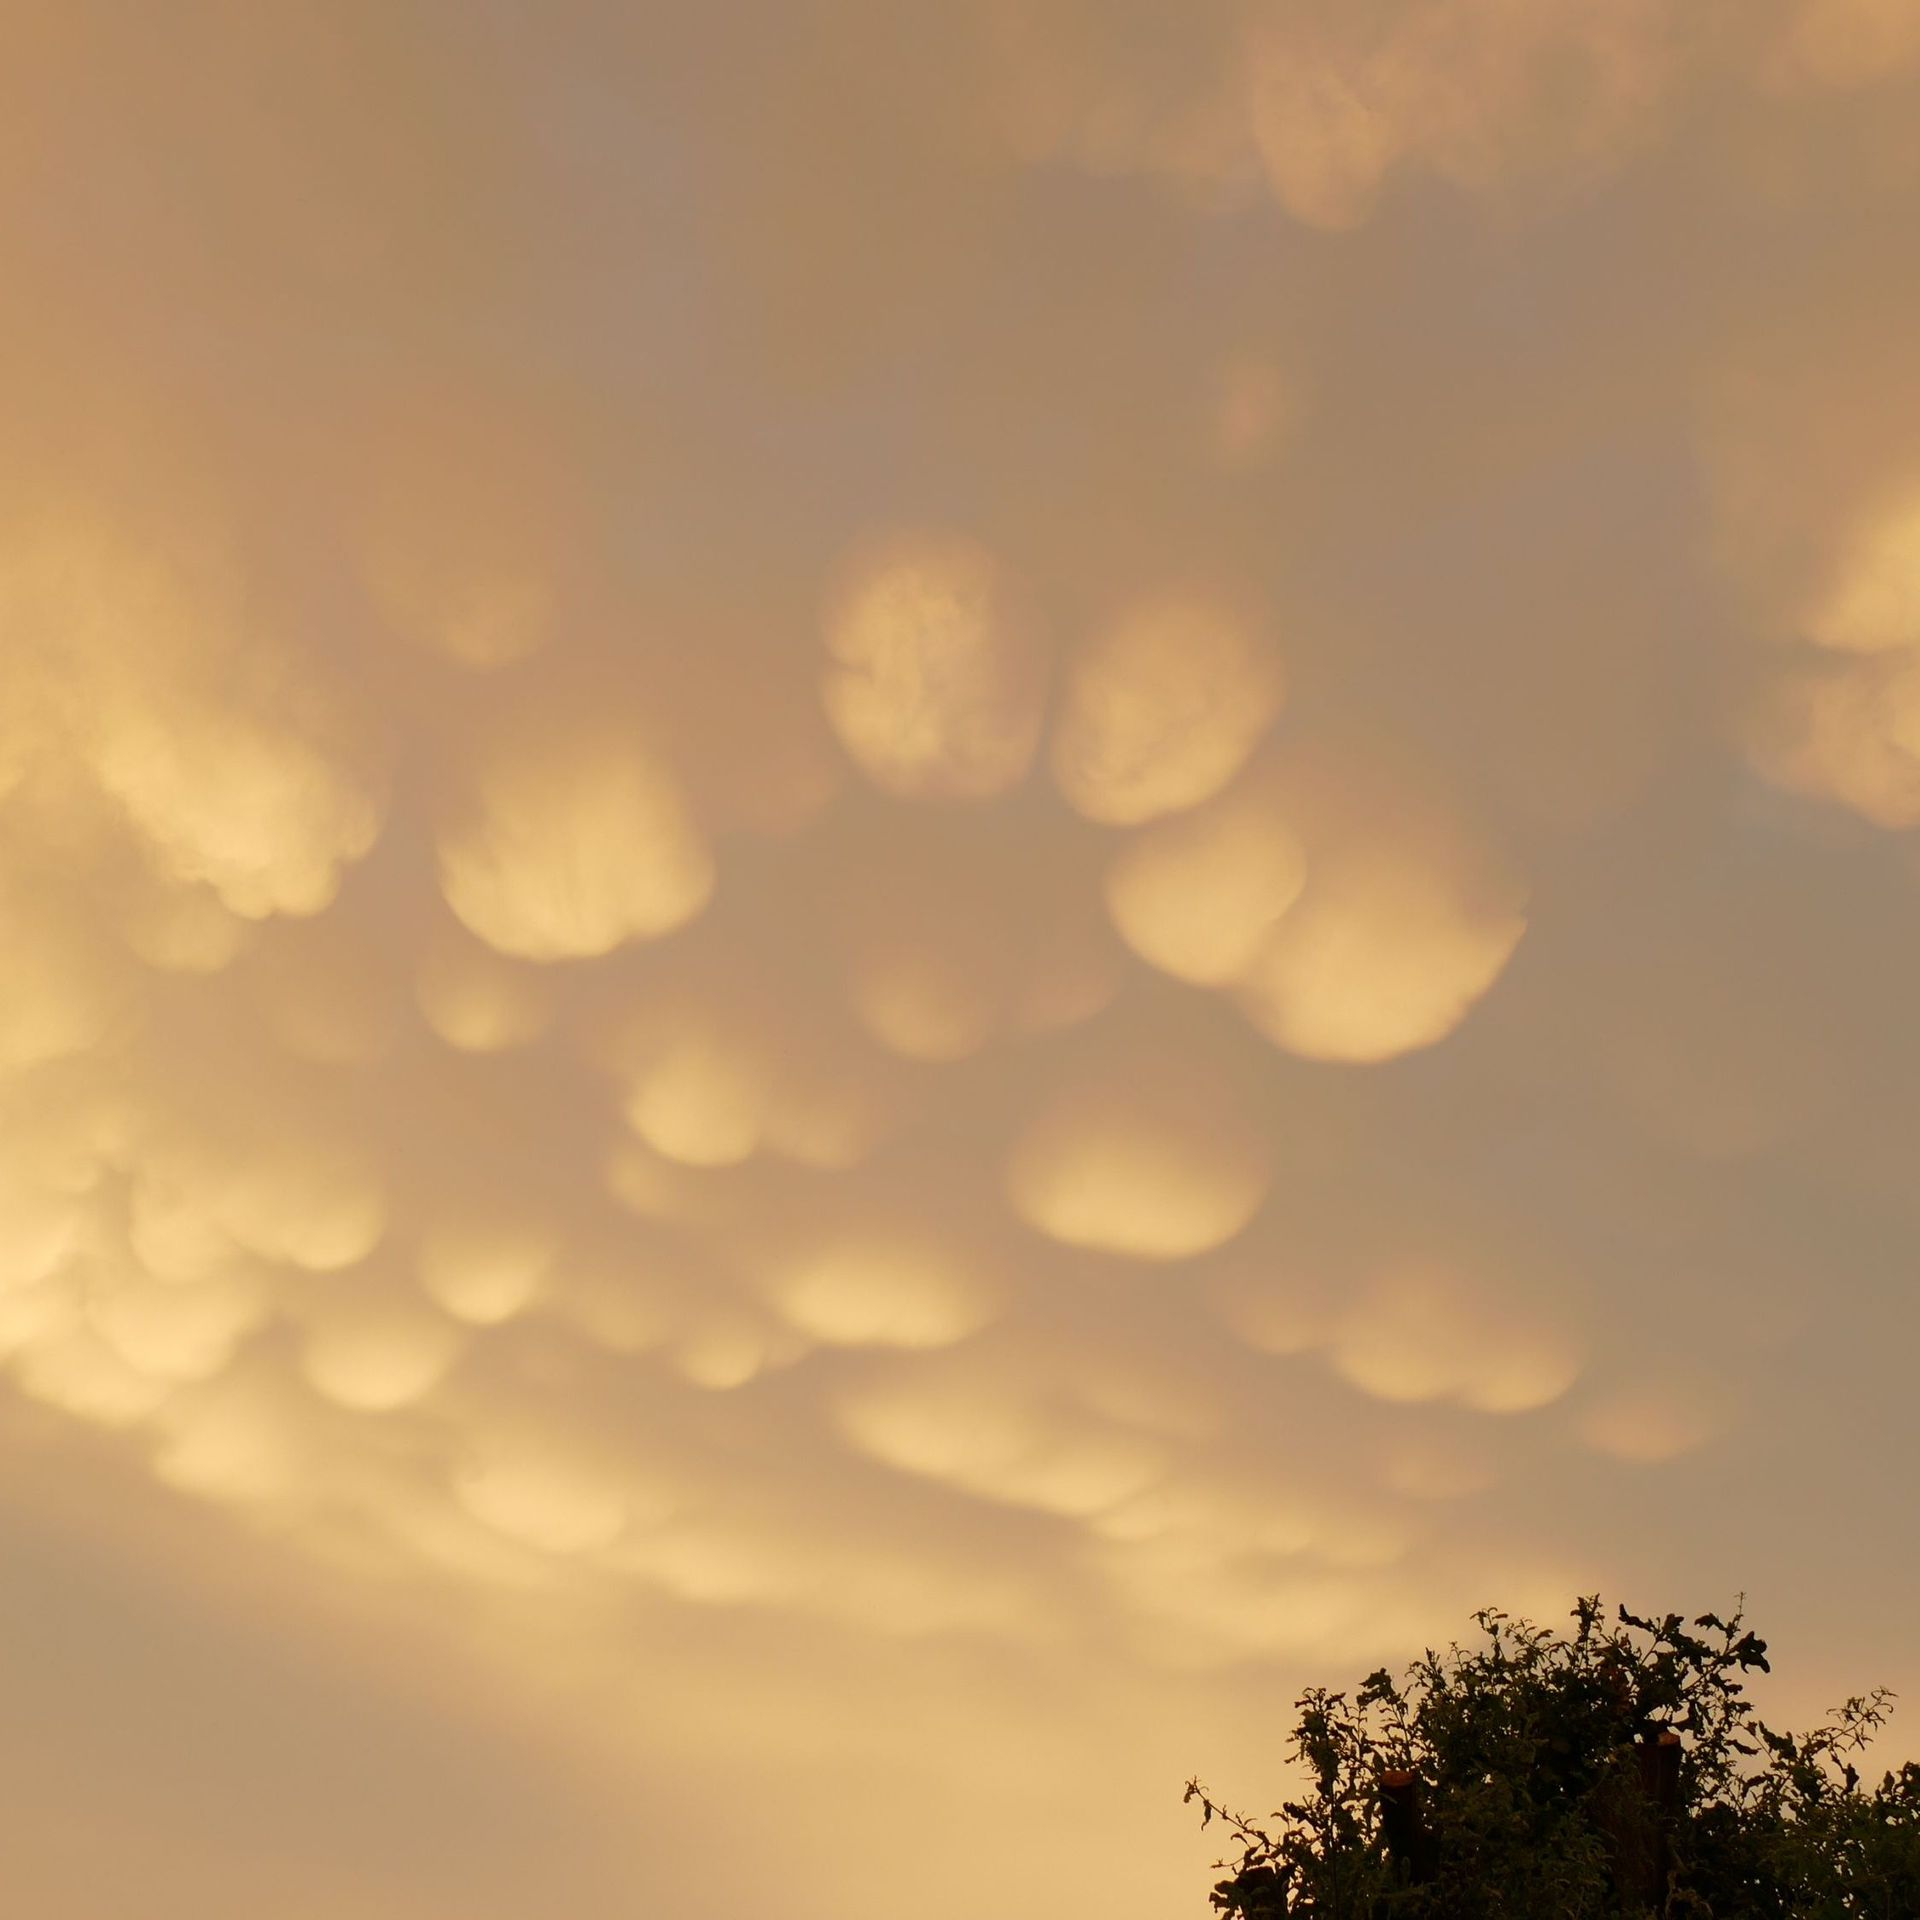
point(1609, 1771)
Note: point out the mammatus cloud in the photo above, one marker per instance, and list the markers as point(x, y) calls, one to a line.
point(563, 842)
point(1325, 107)
point(1154, 1157)
point(131, 672)
point(878, 925)
point(1840, 724)
point(1161, 709)
point(936, 674)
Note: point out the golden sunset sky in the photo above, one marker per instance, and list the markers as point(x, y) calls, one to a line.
point(895, 893)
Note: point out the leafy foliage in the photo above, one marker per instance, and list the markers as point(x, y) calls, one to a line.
point(1611, 1771)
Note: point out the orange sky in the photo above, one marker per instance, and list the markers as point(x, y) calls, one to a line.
point(894, 894)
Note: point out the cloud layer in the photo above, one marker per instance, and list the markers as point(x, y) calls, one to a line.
point(889, 902)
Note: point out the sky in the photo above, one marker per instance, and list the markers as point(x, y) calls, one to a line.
point(896, 894)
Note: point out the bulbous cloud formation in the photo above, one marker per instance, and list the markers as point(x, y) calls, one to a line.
point(1161, 709)
point(935, 674)
point(1152, 1157)
point(891, 897)
point(125, 645)
point(563, 843)
point(1402, 926)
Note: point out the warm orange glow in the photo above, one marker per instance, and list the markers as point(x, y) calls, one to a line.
point(1151, 1158)
point(935, 671)
point(567, 846)
point(1161, 709)
point(892, 897)
point(1200, 895)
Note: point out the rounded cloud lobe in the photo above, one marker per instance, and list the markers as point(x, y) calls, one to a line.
point(997, 876)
